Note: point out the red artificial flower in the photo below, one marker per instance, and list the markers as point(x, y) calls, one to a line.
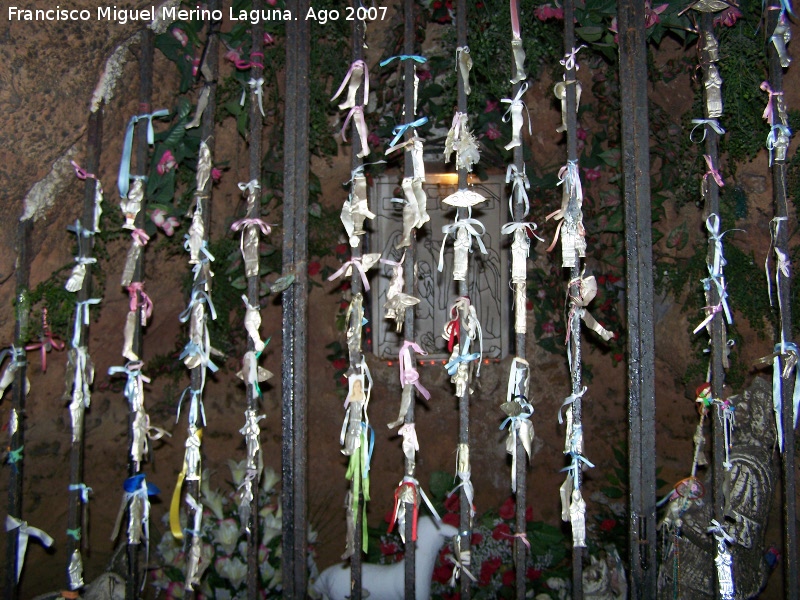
point(529, 305)
point(389, 548)
point(339, 363)
point(581, 133)
point(508, 509)
point(509, 577)
point(545, 12)
point(618, 357)
point(451, 519)
point(488, 569)
point(314, 268)
point(607, 525)
point(341, 249)
point(502, 532)
point(727, 17)
point(592, 174)
point(373, 139)
point(533, 574)
point(651, 14)
point(452, 503)
point(491, 106)
point(424, 75)
point(529, 513)
point(442, 573)
point(549, 327)
point(216, 174)
point(477, 539)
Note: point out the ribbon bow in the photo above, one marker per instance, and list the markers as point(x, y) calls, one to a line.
point(575, 466)
point(251, 186)
point(140, 237)
point(530, 227)
point(408, 369)
point(517, 99)
point(719, 532)
point(81, 173)
point(469, 225)
point(357, 114)
point(519, 184)
point(256, 86)
point(569, 62)
point(266, 228)
point(123, 181)
point(138, 298)
point(133, 370)
point(401, 57)
point(198, 295)
point(83, 489)
point(356, 64)
point(25, 531)
point(196, 402)
point(400, 130)
point(356, 262)
point(769, 114)
point(569, 400)
point(712, 123)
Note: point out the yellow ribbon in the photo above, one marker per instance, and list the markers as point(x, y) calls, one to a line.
point(175, 503)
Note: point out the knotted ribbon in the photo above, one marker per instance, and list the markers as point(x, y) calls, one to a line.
point(408, 368)
point(769, 110)
point(138, 298)
point(256, 86)
point(712, 123)
point(123, 181)
point(81, 318)
point(140, 237)
point(469, 225)
point(400, 130)
point(569, 62)
point(24, 532)
point(519, 184)
point(133, 370)
point(410, 441)
point(714, 173)
point(568, 401)
point(529, 226)
point(357, 114)
point(198, 296)
point(251, 187)
point(574, 468)
point(195, 404)
point(353, 262)
point(519, 426)
point(401, 57)
point(81, 173)
point(409, 491)
point(354, 82)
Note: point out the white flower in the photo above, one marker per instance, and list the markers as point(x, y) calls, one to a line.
point(227, 534)
point(238, 471)
point(269, 479)
point(232, 569)
point(272, 528)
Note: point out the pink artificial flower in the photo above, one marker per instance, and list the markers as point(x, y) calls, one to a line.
point(195, 64)
point(728, 17)
point(373, 139)
point(545, 12)
point(581, 133)
point(272, 2)
point(180, 35)
point(424, 75)
point(549, 327)
point(216, 174)
point(166, 164)
point(651, 14)
point(592, 174)
point(491, 105)
point(492, 132)
point(233, 55)
point(268, 39)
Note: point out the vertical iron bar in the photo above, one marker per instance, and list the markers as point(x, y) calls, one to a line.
point(17, 438)
point(717, 323)
point(790, 560)
point(410, 280)
point(141, 168)
point(357, 52)
point(639, 259)
point(75, 511)
point(254, 212)
point(520, 351)
point(296, 161)
point(574, 288)
point(207, 123)
point(465, 517)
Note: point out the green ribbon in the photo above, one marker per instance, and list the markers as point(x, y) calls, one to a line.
point(359, 465)
point(75, 534)
point(15, 456)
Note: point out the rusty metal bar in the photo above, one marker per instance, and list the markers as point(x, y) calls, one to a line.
point(791, 581)
point(639, 293)
point(295, 307)
point(254, 212)
point(17, 436)
point(574, 287)
point(203, 198)
point(518, 214)
point(409, 266)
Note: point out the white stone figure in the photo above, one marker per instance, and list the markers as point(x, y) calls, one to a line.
point(781, 36)
point(560, 90)
point(197, 232)
point(385, 582)
point(128, 333)
point(252, 324)
point(131, 205)
point(713, 85)
point(204, 166)
point(518, 51)
point(577, 518)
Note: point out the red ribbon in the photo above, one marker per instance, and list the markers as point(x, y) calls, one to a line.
point(414, 514)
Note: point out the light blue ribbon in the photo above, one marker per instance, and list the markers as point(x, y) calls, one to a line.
point(198, 295)
point(17, 355)
point(400, 130)
point(83, 489)
point(81, 318)
point(713, 123)
point(781, 350)
point(786, 7)
point(193, 349)
point(719, 282)
point(452, 365)
point(133, 370)
point(207, 256)
point(79, 230)
point(124, 179)
point(401, 57)
point(575, 467)
point(15, 456)
point(196, 402)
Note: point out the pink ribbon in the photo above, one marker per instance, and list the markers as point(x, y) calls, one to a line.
point(266, 228)
point(356, 63)
point(521, 535)
point(408, 369)
point(769, 115)
point(246, 64)
point(140, 237)
point(354, 262)
point(80, 172)
point(713, 172)
point(47, 343)
point(136, 291)
point(356, 112)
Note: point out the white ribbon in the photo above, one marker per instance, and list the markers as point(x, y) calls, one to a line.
point(25, 531)
point(469, 225)
point(519, 186)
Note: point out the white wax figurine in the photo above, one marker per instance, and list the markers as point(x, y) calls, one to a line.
point(356, 76)
point(75, 281)
point(710, 47)
point(203, 167)
point(713, 85)
point(520, 308)
point(396, 300)
point(98, 204)
point(520, 248)
point(577, 518)
point(461, 248)
point(560, 90)
point(573, 240)
point(518, 51)
point(192, 457)
point(75, 571)
point(461, 141)
point(131, 205)
point(76, 410)
point(197, 232)
point(565, 492)
point(355, 323)
point(780, 145)
point(252, 324)
point(411, 214)
point(386, 582)
point(464, 66)
point(130, 263)
point(781, 36)
point(461, 377)
point(422, 201)
point(355, 210)
point(249, 247)
point(128, 333)
point(417, 159)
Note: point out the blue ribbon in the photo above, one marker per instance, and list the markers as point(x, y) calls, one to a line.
point(133, 374)
point(401, 57)
point(207, 256)
point(368, 429)
point(83, 489)
point(124, 179)
point(198, 295)
point(452, 365)
point(777, 387)
point(17, 355)
point(192, 349)
point(75, 534)
point(574, 467)
point(400, 130)
point(133, 484)
point(81, 318)
point(79, 230)
point(15, 456)
point(713, 123)
point(197, 401)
